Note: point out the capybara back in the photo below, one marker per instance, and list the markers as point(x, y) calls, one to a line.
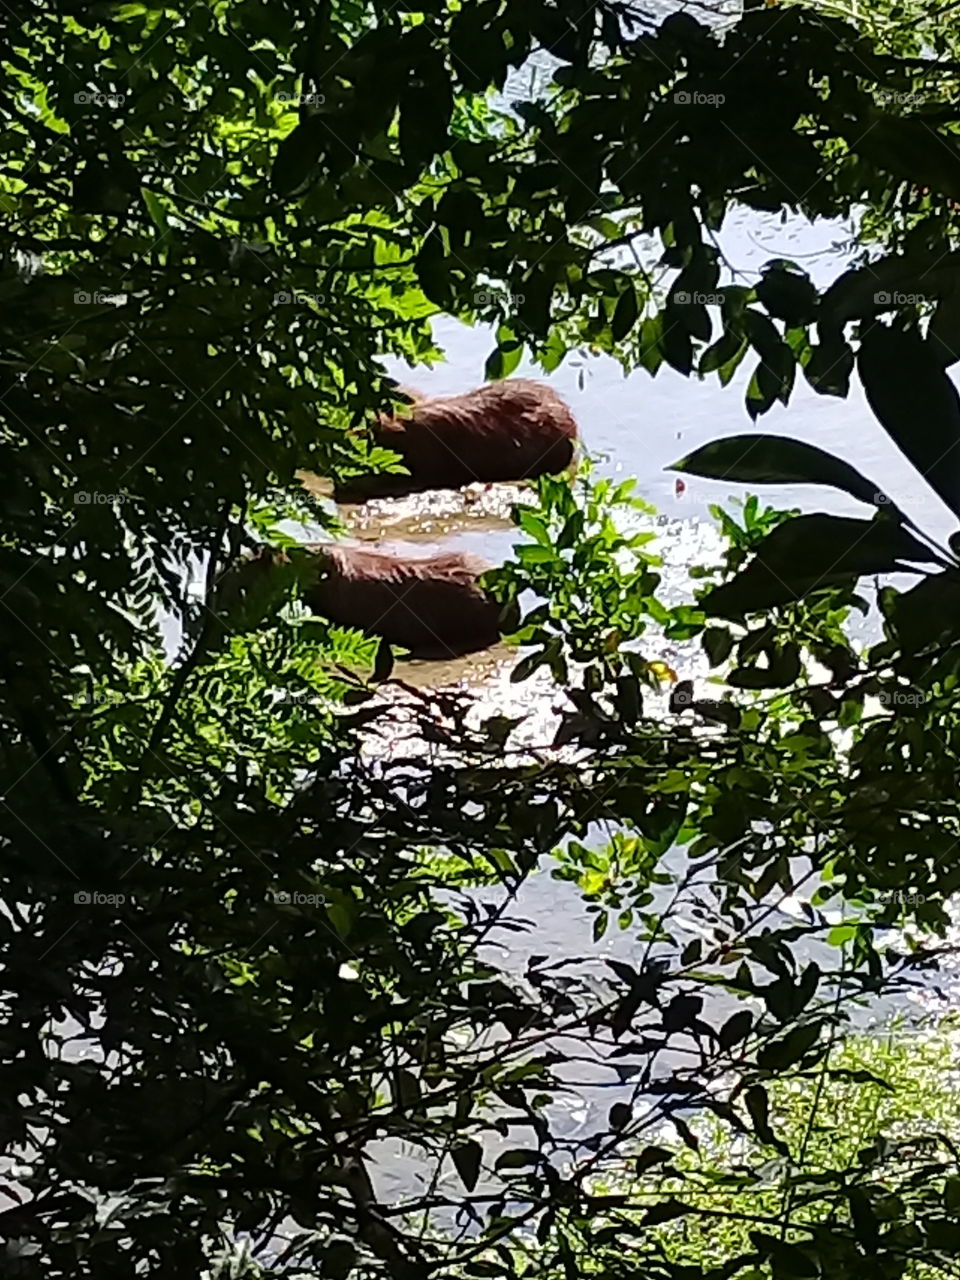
point(511, 430)
point(431, 605)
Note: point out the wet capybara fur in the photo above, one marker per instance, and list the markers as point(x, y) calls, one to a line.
point(512, 430)
point(431, 605)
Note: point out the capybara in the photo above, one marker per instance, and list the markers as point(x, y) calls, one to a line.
point(511, 430)
point(431, 605)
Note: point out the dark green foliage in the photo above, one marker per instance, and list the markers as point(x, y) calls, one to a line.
point(243, 963)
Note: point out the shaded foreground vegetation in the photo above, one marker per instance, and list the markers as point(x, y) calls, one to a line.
point(246, 958)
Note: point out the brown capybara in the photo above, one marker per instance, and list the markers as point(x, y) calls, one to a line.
point(511, 430)
point(431, 605)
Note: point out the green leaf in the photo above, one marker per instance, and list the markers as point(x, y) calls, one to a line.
point(771, 381)
point(916, 404)
point(841, 934)
point(341, 917)
point(501, 363)
point(651, 343)
point(536, 555)
point(526, 666)
point(729, 348)
point(533, 524)
point(157, 210)
point(760, 394)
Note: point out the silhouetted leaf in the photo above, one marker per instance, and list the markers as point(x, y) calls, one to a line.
point(764, 459)
point(466, 1158)
point(809, 552)
point(916, 403)
point(625, 313)
point(298, 156)
point(682, 1012)
point(517, 1159)
point(736, 1028)
point(339, 1259)
point(787, 295)
point(651, 1156)
point(758, 1105)
point(383, 666)
point(620, 1116)
point(666, 1211)
point(790, 1049)
point(829, 367)
point(928, 612)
